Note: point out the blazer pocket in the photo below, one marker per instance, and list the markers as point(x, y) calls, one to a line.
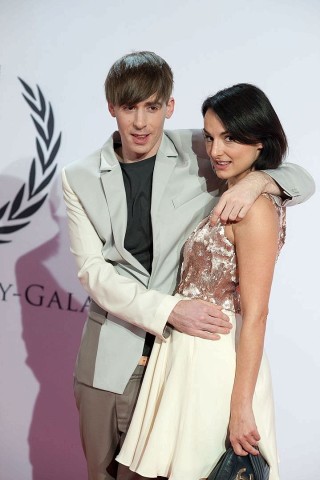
point(186, 197)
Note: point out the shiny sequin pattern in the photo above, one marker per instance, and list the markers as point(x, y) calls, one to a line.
point(209, 269)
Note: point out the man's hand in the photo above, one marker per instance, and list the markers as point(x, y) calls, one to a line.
point(237, 200)
point(199, 319)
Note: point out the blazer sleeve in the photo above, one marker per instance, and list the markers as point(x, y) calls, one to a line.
point(123, 297)
point(295, 181)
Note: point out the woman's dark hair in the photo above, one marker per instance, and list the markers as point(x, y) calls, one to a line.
point(249, 118)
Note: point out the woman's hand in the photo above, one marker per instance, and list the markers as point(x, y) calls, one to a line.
point(235, 202)
point(244, 434)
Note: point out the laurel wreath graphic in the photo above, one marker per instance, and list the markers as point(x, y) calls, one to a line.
point(31, 195)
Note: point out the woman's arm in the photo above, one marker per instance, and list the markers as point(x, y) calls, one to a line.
point(256, 242)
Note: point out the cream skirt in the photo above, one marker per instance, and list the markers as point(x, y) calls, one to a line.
point(179, 427)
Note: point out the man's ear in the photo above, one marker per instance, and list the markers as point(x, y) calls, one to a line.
point(111, 109)
point(170, 107)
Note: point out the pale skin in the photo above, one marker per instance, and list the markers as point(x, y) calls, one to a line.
point(141, 128)
point(256, 241)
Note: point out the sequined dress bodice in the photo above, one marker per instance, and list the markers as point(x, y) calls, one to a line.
point(209, 269)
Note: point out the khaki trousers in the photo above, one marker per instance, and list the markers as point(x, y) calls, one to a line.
point(104, 421)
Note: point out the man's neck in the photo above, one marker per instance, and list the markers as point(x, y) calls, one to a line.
point(122, 159)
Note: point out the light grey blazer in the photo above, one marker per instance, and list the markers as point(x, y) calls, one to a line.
point(126, 300)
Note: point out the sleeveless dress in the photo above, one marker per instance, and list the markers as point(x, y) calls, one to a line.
point(179, 427)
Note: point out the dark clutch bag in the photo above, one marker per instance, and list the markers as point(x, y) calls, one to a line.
point(235, 467)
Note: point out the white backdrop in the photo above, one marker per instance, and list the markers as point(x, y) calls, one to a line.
point(67, 47)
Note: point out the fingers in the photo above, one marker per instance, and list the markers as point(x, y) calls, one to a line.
point(213, 328)
point(215, 215)
point(218, 317)
point(229, 213)
point(245, 448)
point(218, 209)
point(235, 203)
point(207, 327)
point(212, 320)
point(199, 318)
point(245, 444)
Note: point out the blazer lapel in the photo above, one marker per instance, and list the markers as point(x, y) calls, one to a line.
point(112, 182)
point(164, 166)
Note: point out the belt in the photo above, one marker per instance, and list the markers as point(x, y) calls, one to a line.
point(143, 361)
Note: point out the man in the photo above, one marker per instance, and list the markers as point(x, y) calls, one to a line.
point(131, 205)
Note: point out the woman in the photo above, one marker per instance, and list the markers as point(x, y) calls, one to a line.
point(199, 395)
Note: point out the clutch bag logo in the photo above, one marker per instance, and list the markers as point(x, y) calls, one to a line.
point(243, 477)
point(16, 213)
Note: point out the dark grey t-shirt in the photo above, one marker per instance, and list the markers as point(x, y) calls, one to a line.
point(137, 178)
